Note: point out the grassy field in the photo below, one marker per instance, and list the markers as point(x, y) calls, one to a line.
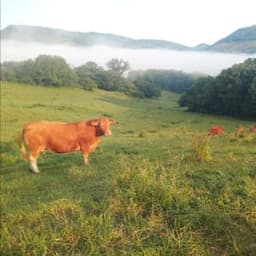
point(157, 186)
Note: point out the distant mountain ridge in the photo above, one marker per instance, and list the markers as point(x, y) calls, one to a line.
point(241, 41)
point(83, 39)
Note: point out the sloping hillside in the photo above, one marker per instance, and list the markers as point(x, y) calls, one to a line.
point(242, 40)
point(158, 186)
point(58, 36)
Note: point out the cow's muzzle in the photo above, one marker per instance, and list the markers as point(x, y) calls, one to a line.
point(108, 133)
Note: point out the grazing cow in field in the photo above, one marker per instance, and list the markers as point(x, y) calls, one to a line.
point(239, 131)
point(62, 137)
point(216, 130)
point(252, 128)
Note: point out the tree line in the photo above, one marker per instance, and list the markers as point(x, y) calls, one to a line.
point(54, 71)
point(170, 80)
point(232, 92)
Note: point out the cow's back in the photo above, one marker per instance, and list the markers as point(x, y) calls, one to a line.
point(216, 130)
point(55, 136)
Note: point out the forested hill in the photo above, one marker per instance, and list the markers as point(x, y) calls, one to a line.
point(241, 41)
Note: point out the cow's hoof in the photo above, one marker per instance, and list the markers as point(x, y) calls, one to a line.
point(34, 171)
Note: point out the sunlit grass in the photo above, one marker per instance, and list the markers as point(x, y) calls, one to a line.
point(143, 193)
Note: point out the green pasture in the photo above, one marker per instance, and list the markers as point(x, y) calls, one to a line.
point(157, 186)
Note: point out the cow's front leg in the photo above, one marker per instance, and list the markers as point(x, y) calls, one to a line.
point(86, 149)
point(85, 152)
point(85, 156)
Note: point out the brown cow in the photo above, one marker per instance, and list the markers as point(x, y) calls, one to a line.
point(240, 131)
point(63, 137)
point(252, 128)
point(216, 130)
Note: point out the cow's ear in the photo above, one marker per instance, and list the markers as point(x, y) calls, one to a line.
point(93, 122)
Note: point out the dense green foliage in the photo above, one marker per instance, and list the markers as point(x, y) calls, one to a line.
point(44, 70)
point(54, 71)
point(155, 187)
point(146, 88)
point(88, 74)
point(171, 80)
point(232, 93)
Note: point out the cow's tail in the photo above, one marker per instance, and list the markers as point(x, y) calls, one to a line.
point(23, 149)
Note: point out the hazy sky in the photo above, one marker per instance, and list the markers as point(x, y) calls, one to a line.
point(187, 22)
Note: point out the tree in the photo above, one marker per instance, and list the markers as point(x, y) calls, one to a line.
point(232, 92)
point(85, 81)
point(171, 80)
point(147, 89)
point(8, 71)
point(86, 76)
point(25, 72)
point(91, 68)
point(252, 98)
point(111, 81)
point(53, 71)
point(118, 65)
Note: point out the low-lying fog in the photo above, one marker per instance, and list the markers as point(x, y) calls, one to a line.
point(187, 61)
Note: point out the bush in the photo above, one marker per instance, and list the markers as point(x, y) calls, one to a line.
point(147, 89)
point(88, 84)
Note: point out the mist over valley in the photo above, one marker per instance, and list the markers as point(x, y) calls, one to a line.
point(20, 43)
point(210, 63)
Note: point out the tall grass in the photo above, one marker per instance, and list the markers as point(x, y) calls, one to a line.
point(143, 193)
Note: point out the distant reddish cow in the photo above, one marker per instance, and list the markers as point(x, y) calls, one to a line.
point(240, 131)
point(63, 137)
point(216, 130)
point(252, 128)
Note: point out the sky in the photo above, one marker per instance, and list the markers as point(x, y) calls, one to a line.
point(187, 22)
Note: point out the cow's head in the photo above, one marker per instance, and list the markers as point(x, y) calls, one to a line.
point(102, 126)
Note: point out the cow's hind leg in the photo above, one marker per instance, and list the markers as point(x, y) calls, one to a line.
point(33, 161)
